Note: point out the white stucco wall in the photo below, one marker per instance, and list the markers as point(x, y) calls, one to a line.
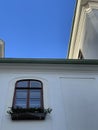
point(90, 42)
point(70, 90)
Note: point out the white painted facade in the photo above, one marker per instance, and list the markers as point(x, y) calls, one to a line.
point(70, 90)
point(85, 30)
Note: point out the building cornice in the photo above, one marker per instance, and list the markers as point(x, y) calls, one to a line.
point(46, 61)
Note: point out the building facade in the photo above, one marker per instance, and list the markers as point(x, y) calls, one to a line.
point(31, 88)
point(69, 89)
point(83, 41)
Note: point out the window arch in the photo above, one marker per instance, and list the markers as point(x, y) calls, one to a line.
point(28, 94)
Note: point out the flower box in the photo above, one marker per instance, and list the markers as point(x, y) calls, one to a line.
point(28, 114)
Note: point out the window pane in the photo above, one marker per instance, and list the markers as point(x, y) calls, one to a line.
point(21, 93)
point(35, 93)
point(35, 84)
point(23, 84)
point(34, 103)
point(20, 103)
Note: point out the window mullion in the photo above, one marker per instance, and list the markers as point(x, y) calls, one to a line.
point(28, 94)
point(41, 97)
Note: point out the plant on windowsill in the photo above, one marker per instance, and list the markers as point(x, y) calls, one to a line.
point(28, 113)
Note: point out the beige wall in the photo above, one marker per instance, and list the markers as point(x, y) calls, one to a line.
point(2, 48)
point(84, 33)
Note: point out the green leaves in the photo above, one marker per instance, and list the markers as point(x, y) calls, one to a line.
point(31, 110)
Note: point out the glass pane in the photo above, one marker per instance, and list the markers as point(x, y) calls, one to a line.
point(21, 93)
point(20, 103)
point(22, 84)
point(34, 103)
point(35, 93)
point(35, 84)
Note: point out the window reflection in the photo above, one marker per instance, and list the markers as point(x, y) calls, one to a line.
point(22, 84)
point(35, 93)
point(35, 103)
point(21, 103)
point(35, 84)
point(21, 93)
point(28, 94)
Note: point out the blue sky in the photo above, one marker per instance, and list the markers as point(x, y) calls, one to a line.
point(36, 28)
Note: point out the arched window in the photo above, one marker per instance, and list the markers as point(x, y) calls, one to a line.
point(28, 94)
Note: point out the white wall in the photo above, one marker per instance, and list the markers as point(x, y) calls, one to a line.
point(90, 42)
point(80, 96)
point(70, 90)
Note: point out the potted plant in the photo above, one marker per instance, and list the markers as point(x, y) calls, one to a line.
point(28, 113)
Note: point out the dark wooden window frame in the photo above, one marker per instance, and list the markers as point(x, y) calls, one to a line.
point(28, 92)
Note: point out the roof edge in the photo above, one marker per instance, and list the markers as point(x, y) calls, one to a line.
point(72, 27)
point(48, 61)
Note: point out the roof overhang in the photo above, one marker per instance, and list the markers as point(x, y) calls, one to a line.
point(21, 61)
